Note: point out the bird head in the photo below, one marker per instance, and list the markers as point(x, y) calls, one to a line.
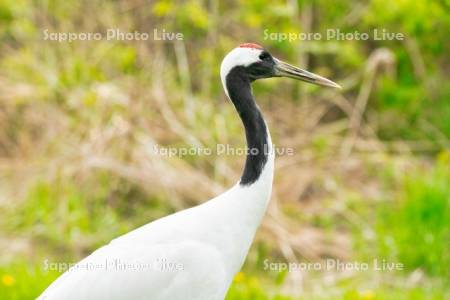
point(253, 61)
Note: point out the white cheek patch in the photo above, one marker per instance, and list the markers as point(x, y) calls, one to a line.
point(238, 57)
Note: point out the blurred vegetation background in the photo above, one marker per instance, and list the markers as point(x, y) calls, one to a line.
point(369, 178)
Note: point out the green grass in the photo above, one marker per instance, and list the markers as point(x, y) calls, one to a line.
point(24, 280)
point(414, 228)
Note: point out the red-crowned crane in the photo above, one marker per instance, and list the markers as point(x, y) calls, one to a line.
point(195, 253)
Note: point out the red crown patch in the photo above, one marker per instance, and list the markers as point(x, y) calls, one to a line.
point(251, 45)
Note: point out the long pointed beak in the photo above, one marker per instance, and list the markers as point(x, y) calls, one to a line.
point(283, 69)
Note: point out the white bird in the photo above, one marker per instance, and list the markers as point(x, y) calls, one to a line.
point(195, 253)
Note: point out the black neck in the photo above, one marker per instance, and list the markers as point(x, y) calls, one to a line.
point(239, 90)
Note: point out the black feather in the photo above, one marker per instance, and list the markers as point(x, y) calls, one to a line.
point(238, 84)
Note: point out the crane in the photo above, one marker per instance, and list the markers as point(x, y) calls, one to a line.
point(195, 253)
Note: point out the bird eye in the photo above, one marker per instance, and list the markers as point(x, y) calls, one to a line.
point(264, 56)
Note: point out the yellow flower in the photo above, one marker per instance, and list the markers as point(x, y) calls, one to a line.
point(240, 276)
point(162, 8)
point(8, 280)
point(444, 156)
point(367, 295)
